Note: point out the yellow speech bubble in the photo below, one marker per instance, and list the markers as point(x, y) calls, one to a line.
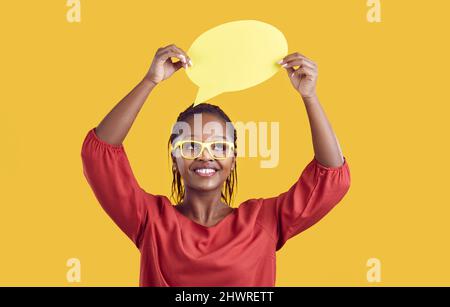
point(235, 56)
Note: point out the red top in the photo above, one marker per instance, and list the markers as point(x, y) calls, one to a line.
point(237, 251)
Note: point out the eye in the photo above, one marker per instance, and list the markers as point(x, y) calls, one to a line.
point(190, 148)
point(218, 146)
point(220, 149)
point(189, 145)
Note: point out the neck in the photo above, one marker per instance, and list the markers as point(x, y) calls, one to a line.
point(203, 206)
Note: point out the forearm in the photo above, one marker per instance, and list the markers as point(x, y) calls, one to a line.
point(326, 146)
point(115, 126)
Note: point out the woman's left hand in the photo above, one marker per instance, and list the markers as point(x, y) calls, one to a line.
point(304, 78)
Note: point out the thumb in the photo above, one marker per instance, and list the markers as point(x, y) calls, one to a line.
point(289, 71)
point(177, 65)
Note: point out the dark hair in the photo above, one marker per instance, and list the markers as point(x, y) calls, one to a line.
point(231, 183)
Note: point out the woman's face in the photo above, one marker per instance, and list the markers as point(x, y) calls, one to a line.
point(205, 127)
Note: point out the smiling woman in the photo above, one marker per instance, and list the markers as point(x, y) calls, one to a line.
point(202, 240)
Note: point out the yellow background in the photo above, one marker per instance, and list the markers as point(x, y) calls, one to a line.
point(382, 85)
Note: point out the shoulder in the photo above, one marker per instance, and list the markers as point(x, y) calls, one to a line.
point(250, 204)
point(253, 209)
point(156, 203)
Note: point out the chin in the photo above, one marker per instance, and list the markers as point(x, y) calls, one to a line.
point(204, 187)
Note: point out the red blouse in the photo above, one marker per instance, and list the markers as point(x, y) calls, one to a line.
point(237, 251)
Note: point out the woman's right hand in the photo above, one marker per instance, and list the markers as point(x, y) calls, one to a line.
point(162, 66)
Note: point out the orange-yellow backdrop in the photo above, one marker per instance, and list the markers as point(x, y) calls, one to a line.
point(382, 85)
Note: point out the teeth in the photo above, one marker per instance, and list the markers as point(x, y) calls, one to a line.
point(205, 170)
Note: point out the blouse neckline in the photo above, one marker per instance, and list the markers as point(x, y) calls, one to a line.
point(222, 221)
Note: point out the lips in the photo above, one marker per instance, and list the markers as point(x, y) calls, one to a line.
point(205, 172)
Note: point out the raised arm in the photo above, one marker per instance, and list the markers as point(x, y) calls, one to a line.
point(105, 163)
point(115, 126)
point(326, 146)
point(323, 182)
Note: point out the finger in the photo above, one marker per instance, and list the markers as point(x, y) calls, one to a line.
point(295, 56)
point(307, 72)
point(303, 60)
point(177, 65)
point(182, 55)
point(172, 48)
point(298, 62)
point(298, 73)
point(290, 70)
point(290, 57)
point(181, 51)
point(163, 56)
point(163, 49)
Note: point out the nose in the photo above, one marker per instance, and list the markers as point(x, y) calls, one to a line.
point(205, 155)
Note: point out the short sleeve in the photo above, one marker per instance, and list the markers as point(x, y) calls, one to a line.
point(318, 189)
point(108, 172)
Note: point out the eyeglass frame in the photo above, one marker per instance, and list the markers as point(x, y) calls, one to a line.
point(204, 145)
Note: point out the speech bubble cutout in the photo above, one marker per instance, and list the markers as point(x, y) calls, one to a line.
point(235, 56)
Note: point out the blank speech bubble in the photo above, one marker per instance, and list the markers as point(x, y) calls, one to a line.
point(235, 56)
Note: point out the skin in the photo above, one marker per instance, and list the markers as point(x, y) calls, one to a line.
point(202, 202)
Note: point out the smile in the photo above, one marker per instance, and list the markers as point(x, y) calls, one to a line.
point(205, 172)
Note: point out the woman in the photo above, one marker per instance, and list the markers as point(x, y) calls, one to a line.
point(203, 241)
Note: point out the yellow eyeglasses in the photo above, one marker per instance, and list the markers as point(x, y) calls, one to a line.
point(191, 149)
